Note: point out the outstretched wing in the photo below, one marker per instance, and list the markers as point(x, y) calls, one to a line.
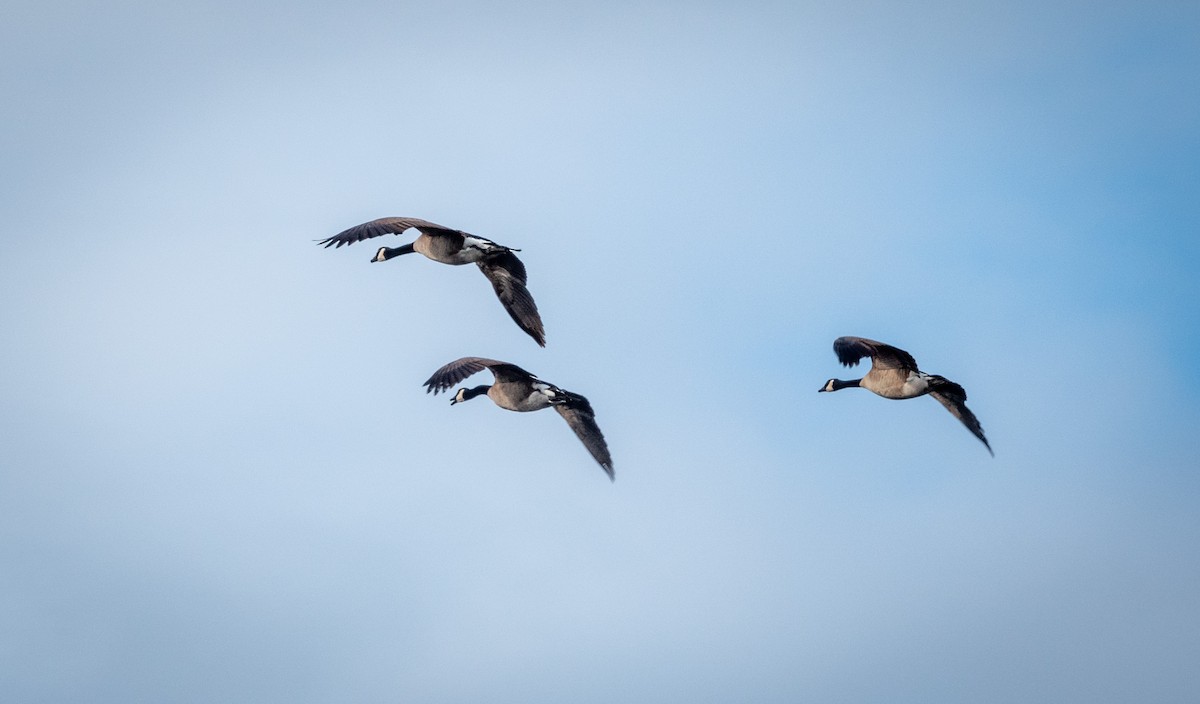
point(954, 398)
point(460, 369)
point(579, 415)
point(851, 349)
point(507, 274)
point(385, 226)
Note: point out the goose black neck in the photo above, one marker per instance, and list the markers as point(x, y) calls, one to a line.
point(386, 253)
point(468, 394)
point(839, 384)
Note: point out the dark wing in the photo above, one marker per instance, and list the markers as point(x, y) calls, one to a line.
point(954, 398)
point(851, 349)
point(460, 369)
point(385, 226)
point(579, 415)
point(507, 275)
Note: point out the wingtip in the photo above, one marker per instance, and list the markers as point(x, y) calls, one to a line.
point(538, 336)
point(985, 442)
point(983, 439)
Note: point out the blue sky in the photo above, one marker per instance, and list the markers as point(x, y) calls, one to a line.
point(220, 479)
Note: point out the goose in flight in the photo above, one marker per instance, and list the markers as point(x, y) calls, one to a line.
point(894, 374)
point(517, 390)
point(449, 246)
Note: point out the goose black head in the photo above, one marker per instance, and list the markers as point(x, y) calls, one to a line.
point(835, 384)
point(385, 253)
point(465, 394)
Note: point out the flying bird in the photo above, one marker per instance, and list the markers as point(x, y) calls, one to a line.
point(894, 374)
point(455, 247)
point(517, 390)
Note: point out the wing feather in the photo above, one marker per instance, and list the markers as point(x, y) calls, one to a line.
point(954, 398)
point(454, 372)
point(579, 415)
point(850, 350)
point(385, 226)
point(507, 275)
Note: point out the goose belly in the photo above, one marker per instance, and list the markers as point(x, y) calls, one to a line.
point(447, 250)
point(896, 386)
point(519, 397)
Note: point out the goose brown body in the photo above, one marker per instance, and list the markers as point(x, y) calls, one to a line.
point(446, 245)
point(894, 374)
point(515, 389)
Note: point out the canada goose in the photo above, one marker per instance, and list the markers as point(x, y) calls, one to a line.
point(517, 390)
point(448, 246)
point(894, 374)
